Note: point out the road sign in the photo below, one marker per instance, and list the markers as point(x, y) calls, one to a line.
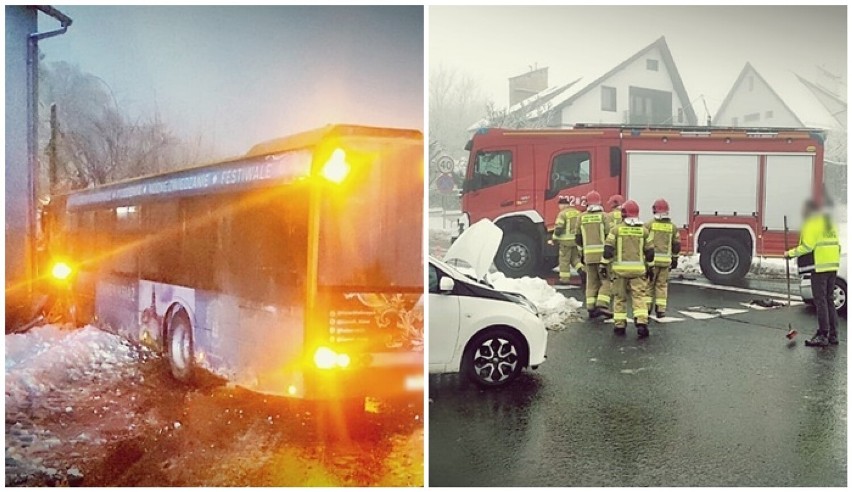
point(445, 183)
point(445, 164)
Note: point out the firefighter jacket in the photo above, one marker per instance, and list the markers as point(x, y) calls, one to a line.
point(819, 248)
point(615, 216)
point(591, 235)
point(663, 240)
point(566, 225)
point(625, 249)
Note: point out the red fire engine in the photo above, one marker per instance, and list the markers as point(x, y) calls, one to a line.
point(729, 188)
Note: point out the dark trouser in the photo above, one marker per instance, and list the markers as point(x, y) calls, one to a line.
point(822, 286)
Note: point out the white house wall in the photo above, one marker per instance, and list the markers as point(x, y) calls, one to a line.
point(760, 100)
point(587, 108)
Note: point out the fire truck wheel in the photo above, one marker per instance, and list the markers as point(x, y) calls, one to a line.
point(179, 346)
point(518, 255)
point(725, 260)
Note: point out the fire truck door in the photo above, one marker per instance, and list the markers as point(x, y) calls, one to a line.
point(570, 175)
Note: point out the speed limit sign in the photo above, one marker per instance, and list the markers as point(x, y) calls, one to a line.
point(445, 164)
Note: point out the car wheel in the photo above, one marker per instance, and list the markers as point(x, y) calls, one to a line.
point(494, 357)
point(725, 260)
point(179, 346)
point(518, 255)
point(840, 296)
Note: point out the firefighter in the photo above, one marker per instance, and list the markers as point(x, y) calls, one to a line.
point(564, 235)
point(614, 203)
point(625, 250)
point(819, 253)
point(591, 234)
point(664, 242)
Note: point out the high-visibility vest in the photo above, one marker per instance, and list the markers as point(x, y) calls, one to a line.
point(662, 236)
point(615, 217)
point(629, 242)
point(594, 227)
point(819, 248)
point(567, 219)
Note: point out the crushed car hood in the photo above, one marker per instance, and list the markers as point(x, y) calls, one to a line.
point(475, 249)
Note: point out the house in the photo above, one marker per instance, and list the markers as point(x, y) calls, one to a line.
point(644, 89)
point(753, 102)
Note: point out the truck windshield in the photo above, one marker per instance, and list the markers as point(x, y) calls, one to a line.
point(370, 231)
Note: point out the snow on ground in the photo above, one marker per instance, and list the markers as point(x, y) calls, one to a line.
point(555, 309)
point(51, 373)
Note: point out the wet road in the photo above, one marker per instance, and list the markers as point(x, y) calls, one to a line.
point(720, 400)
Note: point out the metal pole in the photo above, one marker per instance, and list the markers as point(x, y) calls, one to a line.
point(787, 263)
point(52, 149)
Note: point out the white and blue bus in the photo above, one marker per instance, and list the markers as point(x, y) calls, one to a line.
point(294, 270)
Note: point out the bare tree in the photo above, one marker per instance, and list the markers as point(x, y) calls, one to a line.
point(98, 142)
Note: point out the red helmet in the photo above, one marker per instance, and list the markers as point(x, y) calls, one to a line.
point(630, 210)
point(615, 201)
point(593, 198)
point(660, 207)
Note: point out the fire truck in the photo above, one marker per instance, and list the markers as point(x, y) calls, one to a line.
point(729, 189)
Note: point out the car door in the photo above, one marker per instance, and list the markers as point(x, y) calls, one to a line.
point(443, 321)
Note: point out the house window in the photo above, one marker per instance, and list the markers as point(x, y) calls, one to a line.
point(680, 115)
point(653, 65)
point(751, 117)
point(769, 114)
point(608, 98)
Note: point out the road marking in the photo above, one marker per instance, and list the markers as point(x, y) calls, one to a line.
point(766, 308)
point(565, 287)
point(667, 319)
point(698, 315)
point(742, 290)
point(731, 311)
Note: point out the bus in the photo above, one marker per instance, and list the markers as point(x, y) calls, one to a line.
point(294, 270)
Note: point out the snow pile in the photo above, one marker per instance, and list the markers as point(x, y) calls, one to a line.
point(554, 308)
point(50, 358)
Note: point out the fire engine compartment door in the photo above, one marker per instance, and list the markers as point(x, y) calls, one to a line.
point(789, 181)
point(659, 175)
point(570, 172)
point(726, 184)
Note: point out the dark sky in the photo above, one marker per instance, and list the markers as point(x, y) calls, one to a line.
point(710, 44)
point(241, 75)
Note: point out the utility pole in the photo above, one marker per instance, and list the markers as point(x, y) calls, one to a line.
point(52, 150)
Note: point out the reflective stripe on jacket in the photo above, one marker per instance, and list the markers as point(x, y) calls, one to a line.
point(594, 227)
point(819, 248)
point(568, 220)
point(629, 242)
point(662, 237)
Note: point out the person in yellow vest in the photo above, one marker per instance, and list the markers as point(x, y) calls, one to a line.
point(625, 250)
point(564, 235)
point(615, 203)
point(591, 235)
point(819, 254)
point(664, 242)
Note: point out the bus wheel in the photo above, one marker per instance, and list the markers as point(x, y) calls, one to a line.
point(179, 346)
point(725, 260)
point(518, 255)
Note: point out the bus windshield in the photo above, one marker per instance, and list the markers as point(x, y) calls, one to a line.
point(370, 232)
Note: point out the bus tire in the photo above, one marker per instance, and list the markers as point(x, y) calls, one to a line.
point(725, 260)
point(519, 255)
point(179, 346)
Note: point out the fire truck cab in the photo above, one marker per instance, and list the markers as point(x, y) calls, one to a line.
point(729, 189)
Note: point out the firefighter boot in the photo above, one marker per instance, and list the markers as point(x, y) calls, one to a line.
point(661, 313)
point(620, 329)
point(832, 340)
point(642, 331)
point(817, 341)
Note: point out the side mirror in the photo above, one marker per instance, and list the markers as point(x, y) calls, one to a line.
point(446, 285)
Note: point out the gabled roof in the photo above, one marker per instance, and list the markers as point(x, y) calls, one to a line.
point(798, 100)
point(827, 98)
point(569, 97)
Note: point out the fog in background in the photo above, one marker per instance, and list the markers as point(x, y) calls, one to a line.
point(234, 76)
point(710, 45)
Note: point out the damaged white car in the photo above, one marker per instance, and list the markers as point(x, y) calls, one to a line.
point(488, 335)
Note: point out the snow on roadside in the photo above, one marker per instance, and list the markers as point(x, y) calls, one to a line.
point(554, 308)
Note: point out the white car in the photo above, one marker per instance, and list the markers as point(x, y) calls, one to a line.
point(488, 335)
point(840, 292)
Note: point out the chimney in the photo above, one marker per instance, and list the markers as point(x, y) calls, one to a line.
point(527, 85)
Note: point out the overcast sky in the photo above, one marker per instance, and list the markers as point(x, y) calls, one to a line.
point(710, 45)
point(241, 75)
